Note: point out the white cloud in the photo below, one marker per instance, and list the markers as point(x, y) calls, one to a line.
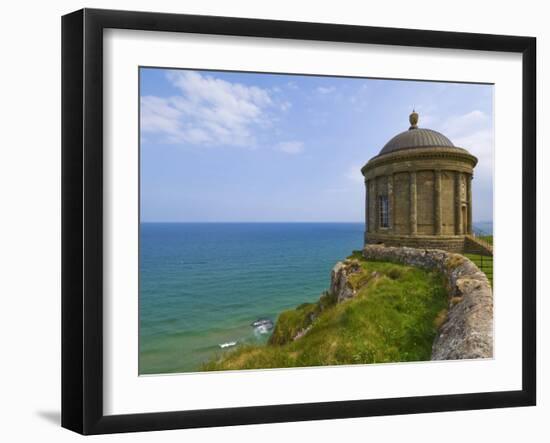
point(467, 123)
point(285, 106)
point(426, 120)
point(157, 115)
point(208, 111)
point(291, 147)
point(473, 131)
point(354, 173)
point(358, 98)
point(325, 90)
point(480, 144)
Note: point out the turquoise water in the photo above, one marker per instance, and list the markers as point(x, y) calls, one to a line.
point(203, 284)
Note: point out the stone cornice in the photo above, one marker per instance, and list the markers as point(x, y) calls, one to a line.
point(420, 154)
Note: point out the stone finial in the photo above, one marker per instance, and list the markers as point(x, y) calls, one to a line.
point(413, 119)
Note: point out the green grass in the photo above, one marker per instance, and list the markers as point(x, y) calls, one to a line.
point(291, 322)
point(487, 238)
point(393, 318)
point(485, 264)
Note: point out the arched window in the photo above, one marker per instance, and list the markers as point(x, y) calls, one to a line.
point(383, 212)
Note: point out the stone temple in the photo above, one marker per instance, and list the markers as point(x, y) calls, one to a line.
point(419, 192)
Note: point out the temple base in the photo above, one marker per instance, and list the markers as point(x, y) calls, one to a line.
point(451, 243)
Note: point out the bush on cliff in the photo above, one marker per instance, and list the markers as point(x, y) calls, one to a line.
point(392, 318)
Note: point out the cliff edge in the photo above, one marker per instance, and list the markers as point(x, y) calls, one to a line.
point(467, 332)
point(372, 312)
point(384, 304)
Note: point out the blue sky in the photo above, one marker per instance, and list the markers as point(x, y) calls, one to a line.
point(220, 146)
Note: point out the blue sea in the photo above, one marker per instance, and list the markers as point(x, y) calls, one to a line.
point(203, 284)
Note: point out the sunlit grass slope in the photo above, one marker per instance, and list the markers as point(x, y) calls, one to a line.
point(393, 318)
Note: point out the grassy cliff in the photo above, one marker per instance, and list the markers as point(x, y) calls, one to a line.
point(393, 317)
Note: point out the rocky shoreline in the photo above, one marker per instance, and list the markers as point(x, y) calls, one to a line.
point(466, 332)
point(384, 304)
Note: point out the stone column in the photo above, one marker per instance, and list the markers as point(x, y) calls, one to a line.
point(376, 217)
point(412, 202)
point(367, 224)
point(458, 203)
point(437, 201)
point(390, 200)
point(469, 200)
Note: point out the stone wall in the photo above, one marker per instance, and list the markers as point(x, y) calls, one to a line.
point(467, 333)
point(427, 189)
point(452, 243)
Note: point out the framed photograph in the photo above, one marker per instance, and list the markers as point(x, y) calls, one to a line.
point(268, 221)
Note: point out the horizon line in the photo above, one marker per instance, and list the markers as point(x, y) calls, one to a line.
point(269, 221)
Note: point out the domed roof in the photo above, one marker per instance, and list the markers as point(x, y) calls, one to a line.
point(416, 137)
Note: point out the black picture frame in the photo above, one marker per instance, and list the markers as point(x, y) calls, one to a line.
point(82, 217)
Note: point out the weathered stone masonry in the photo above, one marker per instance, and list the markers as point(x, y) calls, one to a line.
point(467, 332)
point(425, 181)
